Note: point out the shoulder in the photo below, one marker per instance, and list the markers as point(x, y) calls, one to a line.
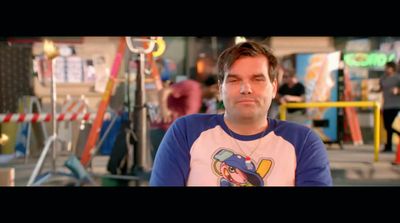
point(186, 83)
point(285, 127)
point(294, 133)
point(194, 124)
point(299, 85)
point(187, 87)
point(187, 129)
point(283, 87)
point(198, 119)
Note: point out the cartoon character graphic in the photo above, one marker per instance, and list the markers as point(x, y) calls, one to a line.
point(236, 170)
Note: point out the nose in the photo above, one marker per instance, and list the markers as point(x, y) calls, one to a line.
point(245, 88)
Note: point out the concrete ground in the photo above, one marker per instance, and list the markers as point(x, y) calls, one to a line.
point(355, 166)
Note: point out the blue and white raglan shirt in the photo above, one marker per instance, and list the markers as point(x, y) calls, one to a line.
point(200, 150)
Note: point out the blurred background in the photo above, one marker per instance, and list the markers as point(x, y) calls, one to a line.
point(73, 84)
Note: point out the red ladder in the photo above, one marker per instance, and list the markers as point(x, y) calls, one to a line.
point(351, 114)
point(97, 123)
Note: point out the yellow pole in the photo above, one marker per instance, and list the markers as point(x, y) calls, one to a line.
point(282, 111)
point(342, 104)
point(339, 104)
point(376, 131)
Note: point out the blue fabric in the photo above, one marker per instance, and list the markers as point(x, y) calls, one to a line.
point(172, 162)
point(109, 141)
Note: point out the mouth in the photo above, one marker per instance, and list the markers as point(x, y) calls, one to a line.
point(228, 175)
point(246, 101)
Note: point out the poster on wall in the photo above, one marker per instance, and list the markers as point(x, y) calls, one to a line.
point(319, 74)
point(102, 72)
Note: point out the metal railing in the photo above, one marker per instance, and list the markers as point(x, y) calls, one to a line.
point(342, 104)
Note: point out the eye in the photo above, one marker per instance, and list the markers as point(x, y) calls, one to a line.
point(231, 80)
point(260, 78)
point(232, 169)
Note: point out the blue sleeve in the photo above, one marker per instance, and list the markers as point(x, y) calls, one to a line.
point(171, 165)
point(313, 164)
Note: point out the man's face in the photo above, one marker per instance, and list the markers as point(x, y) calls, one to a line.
point(210, 92)
point(247, 90)
point(285, 79)
point(389, 70)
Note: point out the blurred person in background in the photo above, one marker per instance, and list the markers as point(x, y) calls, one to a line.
point(274, 110)
point(290, 91)
point(389, 84)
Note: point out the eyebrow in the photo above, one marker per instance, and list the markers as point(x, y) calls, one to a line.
point(232, 76)
point(258, 75)
point(238, 76)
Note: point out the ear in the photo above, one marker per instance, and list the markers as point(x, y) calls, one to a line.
point(220, 88)
point(216, 167)
point(274, 88)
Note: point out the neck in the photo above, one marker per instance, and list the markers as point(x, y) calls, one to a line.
point(292, 83)
point(389, 74)
point(246, 127)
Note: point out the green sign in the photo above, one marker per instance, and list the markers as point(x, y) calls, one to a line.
point(366, 60)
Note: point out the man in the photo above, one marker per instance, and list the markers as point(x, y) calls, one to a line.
point(241, 147)
point(211, 101)
point(179, 99)
point(273, 111)
point(389, 84)
point(175, 100)
point(292, 91)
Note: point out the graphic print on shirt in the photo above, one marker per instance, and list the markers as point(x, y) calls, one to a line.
point(234, 170)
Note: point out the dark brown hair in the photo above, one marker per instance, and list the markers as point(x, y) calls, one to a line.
point(391, 64)
point(246, 49)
